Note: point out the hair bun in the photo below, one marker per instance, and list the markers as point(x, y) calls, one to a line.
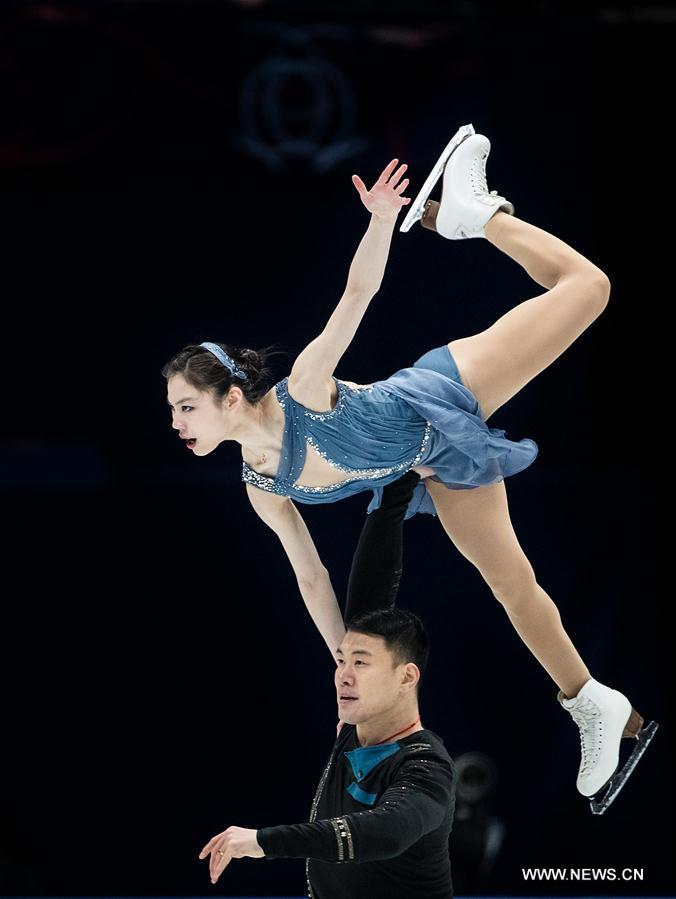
point(252, 362)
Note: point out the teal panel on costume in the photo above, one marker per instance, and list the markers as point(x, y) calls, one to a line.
point(362, 795)
point(365, 758)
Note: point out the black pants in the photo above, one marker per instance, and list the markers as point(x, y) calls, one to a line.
point(377, 562)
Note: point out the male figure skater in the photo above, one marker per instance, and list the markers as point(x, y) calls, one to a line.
point(383, 810)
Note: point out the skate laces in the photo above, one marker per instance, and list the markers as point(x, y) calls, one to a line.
point(587, 716)
point(477, 176)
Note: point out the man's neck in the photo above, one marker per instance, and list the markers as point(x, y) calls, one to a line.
point(393, 726)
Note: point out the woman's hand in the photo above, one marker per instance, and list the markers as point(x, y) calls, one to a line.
point(384, 200)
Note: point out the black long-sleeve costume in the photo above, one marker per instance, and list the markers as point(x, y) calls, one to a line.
point(388, 807)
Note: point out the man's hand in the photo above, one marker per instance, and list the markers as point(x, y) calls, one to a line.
point(235, 842)
point(384, 200)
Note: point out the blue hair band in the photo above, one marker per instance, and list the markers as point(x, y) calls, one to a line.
point(225, 360)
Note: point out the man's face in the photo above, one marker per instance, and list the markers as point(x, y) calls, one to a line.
point(367, 682)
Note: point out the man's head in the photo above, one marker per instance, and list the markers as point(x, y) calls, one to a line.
point(380, 663)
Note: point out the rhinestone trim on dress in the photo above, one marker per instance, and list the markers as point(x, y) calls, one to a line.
point(262, 481)
point(283, 488)
point(280, 401)
point(272, 486)
point(322, 416)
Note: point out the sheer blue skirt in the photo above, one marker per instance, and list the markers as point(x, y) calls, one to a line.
point(463, 451)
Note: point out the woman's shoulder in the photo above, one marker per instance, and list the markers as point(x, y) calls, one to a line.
point(313, 397)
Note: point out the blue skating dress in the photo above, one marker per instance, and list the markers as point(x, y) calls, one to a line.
point(422, 415)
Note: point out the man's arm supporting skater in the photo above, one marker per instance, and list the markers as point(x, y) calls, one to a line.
point(378, 560)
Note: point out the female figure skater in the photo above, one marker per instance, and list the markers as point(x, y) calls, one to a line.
point(316, 438)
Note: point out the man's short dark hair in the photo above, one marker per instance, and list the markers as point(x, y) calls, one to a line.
point(403, 632)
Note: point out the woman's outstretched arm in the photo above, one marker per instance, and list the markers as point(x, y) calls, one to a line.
point(310, 379)
point(378, 559)
point(314, 583)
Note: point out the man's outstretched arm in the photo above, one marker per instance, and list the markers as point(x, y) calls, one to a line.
point(378, 559)
point(419, 797)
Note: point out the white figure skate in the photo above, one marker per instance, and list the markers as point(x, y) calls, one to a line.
point(604, 716)
point(466, 204)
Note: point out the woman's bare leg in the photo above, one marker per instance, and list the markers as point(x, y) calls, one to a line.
point(478, 523)
point(496, 363)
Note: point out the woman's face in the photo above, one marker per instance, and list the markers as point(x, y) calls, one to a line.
point(198, 419)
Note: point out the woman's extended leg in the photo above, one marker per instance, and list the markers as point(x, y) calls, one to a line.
point(478, 523)
point(496, 363)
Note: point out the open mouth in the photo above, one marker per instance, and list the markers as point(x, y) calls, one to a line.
point(191, 442)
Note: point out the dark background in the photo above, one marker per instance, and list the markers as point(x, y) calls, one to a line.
point(176, 172)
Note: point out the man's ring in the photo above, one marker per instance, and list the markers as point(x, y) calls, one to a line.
point(220, 852)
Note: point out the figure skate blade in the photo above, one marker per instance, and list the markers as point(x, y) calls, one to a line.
point(600, 802)
point(417, 206)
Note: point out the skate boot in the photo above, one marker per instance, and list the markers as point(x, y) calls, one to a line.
point(604, 716)
point(466, 204)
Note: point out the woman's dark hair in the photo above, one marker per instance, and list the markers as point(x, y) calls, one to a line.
point(202, 370)
point(403, 632)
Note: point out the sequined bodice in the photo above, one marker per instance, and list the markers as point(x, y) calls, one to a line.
point(371, 435)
